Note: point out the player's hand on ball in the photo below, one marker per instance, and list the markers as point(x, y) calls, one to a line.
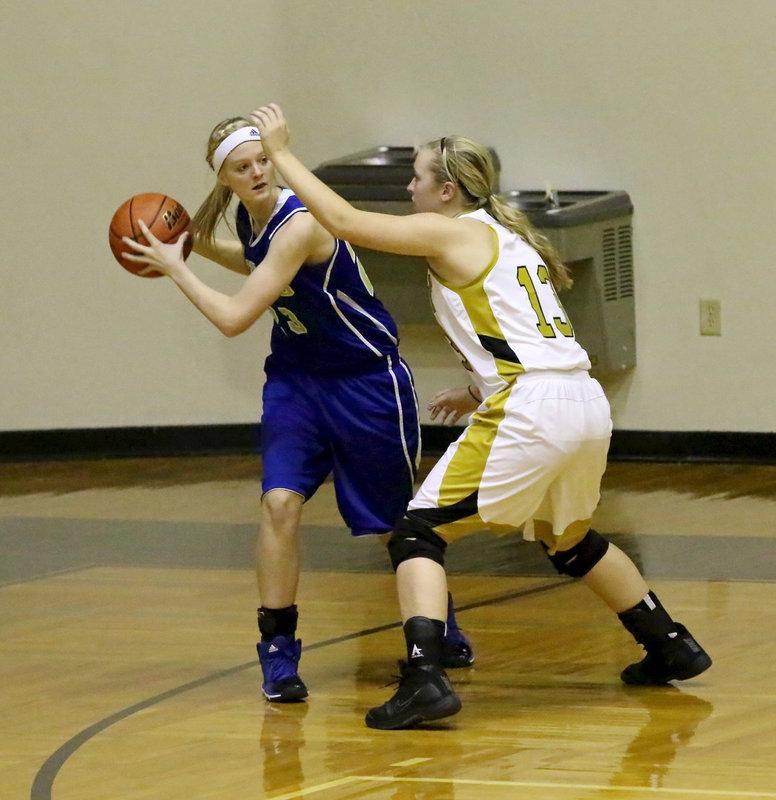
point(159, 257)
point(273, 128)
point(448, 406)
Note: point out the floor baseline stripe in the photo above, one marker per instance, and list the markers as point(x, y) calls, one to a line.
point(574, 786)
point(320, 787)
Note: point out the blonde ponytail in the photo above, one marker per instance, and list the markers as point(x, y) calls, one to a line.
point(214, 209)
point(470, 166)
point(516, 221)
point(207, 217)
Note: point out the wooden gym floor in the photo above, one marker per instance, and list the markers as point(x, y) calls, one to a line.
point(128, 670)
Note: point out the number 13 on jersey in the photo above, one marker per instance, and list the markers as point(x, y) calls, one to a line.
point(561, 324)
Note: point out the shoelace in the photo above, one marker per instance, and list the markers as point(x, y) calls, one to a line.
point(397, 679)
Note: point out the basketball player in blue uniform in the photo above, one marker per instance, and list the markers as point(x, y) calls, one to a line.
point(535, 448)
point(338, 398)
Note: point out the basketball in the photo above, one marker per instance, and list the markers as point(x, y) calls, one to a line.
point(165, 217)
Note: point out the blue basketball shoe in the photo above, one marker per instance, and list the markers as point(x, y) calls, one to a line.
point(457, 651)
point(279, 659)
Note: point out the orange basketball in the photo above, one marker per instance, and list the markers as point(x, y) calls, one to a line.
point(165, 217)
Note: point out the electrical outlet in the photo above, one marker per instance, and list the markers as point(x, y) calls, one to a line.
point(711, 318)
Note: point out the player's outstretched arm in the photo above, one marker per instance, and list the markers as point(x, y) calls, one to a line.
point(231, 314)
point(429, 235)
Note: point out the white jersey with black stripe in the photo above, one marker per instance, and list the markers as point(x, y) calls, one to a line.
point(509, 319)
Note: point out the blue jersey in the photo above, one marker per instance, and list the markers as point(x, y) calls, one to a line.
point(328, 319)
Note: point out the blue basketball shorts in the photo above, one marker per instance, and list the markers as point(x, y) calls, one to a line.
point(363, 430)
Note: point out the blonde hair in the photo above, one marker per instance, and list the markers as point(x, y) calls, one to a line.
point(216, 204)
point(470, 166)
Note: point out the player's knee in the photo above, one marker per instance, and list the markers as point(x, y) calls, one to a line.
point(413, 539)
point(578, 560)
point(282, 509)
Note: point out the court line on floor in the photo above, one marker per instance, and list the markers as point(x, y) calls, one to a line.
point(43, 782)
point(57, 573)
point(651, 790)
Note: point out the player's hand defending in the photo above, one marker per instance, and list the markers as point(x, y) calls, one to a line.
point(160, 257)
point(448, 406)
point(273, 128)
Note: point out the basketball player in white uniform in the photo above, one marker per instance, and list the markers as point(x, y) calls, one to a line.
point(535, 449)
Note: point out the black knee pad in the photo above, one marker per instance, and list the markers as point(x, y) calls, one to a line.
point(578, 560)
point(413, 539)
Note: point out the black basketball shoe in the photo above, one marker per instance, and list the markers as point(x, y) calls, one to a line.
point(677, 657)
point(424, 694)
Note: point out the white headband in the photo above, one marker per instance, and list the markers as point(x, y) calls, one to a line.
point(247, 134)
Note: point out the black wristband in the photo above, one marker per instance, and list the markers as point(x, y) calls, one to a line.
point(474, 396)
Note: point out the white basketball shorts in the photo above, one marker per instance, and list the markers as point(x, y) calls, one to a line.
point(532, 456)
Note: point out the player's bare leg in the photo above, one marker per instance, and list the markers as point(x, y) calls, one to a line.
point(616, 580)
point(277, 574)
point(424, 691)
point(672, 653)
point(422, 588)
point(278, 555)
point(457, 650)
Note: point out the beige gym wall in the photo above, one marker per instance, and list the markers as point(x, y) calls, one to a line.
point(670, 100)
